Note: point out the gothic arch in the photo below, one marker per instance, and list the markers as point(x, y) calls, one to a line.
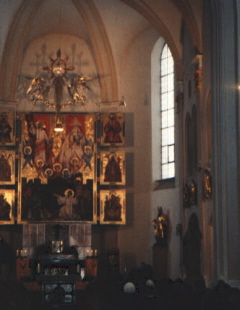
point(153, 19)
point(14, 46)
point(188, 15)
point(16, 41)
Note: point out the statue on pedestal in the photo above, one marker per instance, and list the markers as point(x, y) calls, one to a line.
point(160, 227)
point(160, 248)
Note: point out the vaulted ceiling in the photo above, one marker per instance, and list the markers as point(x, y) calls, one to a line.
point(107, 26)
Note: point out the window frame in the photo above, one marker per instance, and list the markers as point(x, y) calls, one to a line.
point(167, 114)
point(158, 182)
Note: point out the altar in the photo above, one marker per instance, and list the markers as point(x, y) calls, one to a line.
point(57, 276)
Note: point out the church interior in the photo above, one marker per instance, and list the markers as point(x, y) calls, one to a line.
point(119, 144)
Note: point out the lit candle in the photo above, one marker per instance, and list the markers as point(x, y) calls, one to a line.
point(38, 268)
point(82, 273)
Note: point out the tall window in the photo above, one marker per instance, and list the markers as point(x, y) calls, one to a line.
point(167, 123)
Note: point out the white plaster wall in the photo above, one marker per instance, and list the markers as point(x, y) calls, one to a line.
point(7, 10)
point(136, 238)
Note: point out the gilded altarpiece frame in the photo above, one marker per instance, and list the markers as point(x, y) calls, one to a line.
point(113, 129)
point(7, 206)
point(112, 167)
point(7, 167)
point(57, 169)
point(7, 127)
point(113, 206)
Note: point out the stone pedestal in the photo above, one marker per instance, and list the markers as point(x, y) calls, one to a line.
point(160, 260)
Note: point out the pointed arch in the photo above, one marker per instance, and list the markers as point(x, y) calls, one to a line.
point(16, 44)
point(14, 47)
point(153, 19)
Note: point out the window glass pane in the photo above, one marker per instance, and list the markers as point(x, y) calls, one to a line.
point(167, 114)
point(170, 135)
point(170, 64)
point(164, 154)
point(168, 171)
point(164, 67)
point(165, 137)
point(171, 170)
point(164, 84)
point(164, 171)
point(164, 52)
point(170, 100)
point(164, 102)
point(170, 82)
point(171, 153)
point(171, 117)
point(164, 119)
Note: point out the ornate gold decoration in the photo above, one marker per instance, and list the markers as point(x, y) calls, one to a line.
point(39, 87)
point(160, 227)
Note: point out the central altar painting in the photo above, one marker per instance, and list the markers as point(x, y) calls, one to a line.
point(57, 168)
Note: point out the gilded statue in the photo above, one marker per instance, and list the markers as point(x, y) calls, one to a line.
point(160, 227)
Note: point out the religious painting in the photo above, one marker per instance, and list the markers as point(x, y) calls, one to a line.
point(7, 167)
point(7, 201)
point(113, 167)
point(7, 128)
point(112, 207)
point(57, 169)
point(113, 129)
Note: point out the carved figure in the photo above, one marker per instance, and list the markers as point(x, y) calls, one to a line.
point(160, 226)
point(112, 130)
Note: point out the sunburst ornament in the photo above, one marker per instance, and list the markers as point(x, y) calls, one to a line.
point(40, 87)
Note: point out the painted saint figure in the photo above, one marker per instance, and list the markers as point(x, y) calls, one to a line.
point(112, 209)
point(112, 130)
point(66, 204)
point(5, 168)
point(113, 171)
point(5, 129)
point(73, 145)
point(87, 156)
point(4, 209)
point(41, 140)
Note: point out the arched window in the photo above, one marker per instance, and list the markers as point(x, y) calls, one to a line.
point(163, 116)
point(167, 121)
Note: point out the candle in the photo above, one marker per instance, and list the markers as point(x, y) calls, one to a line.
point(38, 268)
point(82, 273)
